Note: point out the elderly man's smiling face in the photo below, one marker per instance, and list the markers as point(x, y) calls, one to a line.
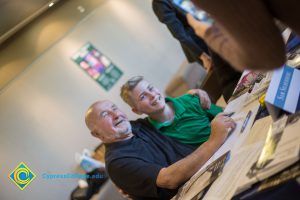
point(107, 122)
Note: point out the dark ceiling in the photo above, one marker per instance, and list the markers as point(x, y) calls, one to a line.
point(13, 58)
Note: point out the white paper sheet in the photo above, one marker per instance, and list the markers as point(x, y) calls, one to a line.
point(226, 185)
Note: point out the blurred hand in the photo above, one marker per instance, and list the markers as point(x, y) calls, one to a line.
point(123, 193)
point(199, 27)
point(219, 128)
point(203, 97)
point(207, 63)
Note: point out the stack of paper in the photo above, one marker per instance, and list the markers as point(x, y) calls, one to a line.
point(226, 185)
point(280, 150)
point(194, 188)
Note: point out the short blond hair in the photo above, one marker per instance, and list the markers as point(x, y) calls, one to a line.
point(128, 87)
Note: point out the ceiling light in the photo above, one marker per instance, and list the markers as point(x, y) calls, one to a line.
point(81, 9)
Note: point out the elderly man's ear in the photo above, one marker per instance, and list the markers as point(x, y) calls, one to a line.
point(98, 135)
point(95, 134)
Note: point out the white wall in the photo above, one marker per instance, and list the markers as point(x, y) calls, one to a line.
point(42, 112)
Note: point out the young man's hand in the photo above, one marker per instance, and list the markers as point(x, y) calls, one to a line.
point(203, 97)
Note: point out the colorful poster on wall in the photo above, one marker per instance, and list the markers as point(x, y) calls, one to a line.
point(97, 66)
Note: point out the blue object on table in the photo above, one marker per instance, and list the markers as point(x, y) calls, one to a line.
point(245, 123)
point(292, 43)
point(283, 92)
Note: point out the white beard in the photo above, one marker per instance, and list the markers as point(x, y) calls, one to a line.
point(126, 131)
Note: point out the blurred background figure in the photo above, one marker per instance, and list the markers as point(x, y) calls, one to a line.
point(196, 49)
point(245, 33)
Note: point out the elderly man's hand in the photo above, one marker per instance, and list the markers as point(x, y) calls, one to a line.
point(219, 128)
point(203, 96)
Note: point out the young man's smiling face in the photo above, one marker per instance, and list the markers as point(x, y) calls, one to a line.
point(147, 99)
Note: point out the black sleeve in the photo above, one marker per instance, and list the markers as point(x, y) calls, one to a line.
point(166, 14)
point(135, 177)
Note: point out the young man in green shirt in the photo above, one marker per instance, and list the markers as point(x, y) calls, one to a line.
point(181, 118)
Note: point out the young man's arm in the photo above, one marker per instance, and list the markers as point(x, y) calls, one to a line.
point(210, 109)
point(173, 176)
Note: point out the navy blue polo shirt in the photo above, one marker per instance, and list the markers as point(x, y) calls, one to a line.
point(134, 164)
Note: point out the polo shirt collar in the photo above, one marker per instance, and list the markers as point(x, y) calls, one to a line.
point(179, 110)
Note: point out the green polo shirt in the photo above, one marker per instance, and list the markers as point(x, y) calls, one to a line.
point(191, 124)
